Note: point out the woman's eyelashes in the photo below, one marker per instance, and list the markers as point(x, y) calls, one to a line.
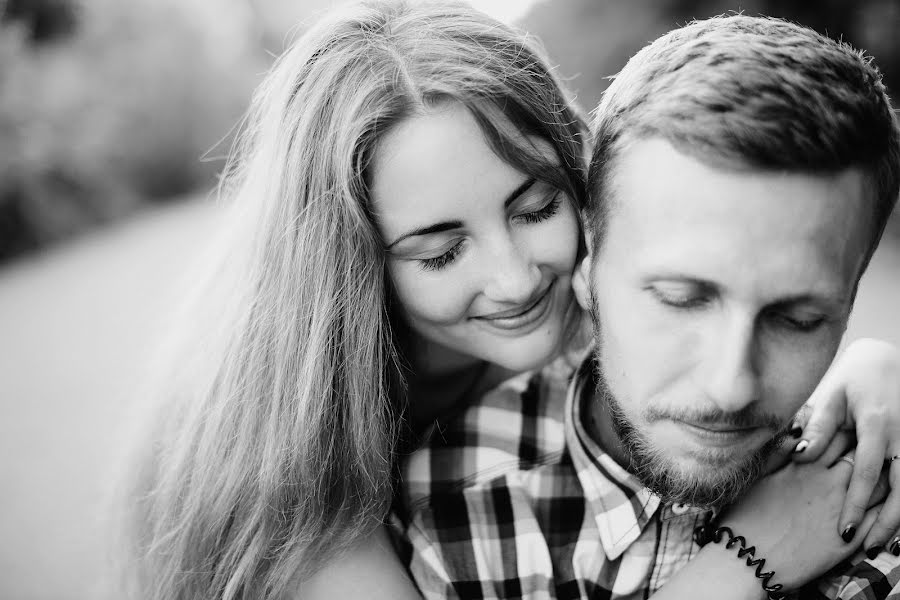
point(546, 211)
point(439, 262)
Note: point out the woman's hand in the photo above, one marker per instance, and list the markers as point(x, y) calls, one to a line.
point(861, 392)
point(783, 513)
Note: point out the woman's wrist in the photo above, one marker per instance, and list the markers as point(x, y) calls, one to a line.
point(728, 574)
point(713, 534)
point(713, 574)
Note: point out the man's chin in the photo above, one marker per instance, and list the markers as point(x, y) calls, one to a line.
point(700, 461)
point(702, 484)
point(699, 476)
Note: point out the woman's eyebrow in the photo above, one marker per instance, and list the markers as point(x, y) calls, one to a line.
point(436, 228)
point(526, 185)
point(449, 225)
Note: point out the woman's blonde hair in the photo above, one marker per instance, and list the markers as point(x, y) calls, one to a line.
point(274, 449)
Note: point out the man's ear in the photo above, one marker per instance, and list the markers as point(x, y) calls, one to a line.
point(581, 278)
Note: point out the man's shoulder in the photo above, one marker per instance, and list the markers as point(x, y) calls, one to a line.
point(860, 579)
point(517, 426)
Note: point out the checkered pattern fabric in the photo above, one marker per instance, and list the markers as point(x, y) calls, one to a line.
point(512, 499)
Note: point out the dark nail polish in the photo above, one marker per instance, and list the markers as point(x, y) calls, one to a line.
point(848, 533)
point(873, 552)
point(895, 547)
point(801, 446)
point(795, 431)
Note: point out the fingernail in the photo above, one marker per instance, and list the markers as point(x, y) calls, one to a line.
point(895, 547)
point(801, 446)
point(795, 431)
point(848, 533)
point(873, 552)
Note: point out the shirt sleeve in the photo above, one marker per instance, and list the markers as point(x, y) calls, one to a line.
point(875, 579)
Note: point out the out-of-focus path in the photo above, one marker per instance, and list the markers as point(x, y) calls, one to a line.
point(77, 326)
point(76, 329)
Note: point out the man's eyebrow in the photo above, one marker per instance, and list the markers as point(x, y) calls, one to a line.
point(824, 301)
point(450, 225)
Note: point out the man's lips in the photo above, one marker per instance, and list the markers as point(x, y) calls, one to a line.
point(519, 310)
point(718, 427)
point(711, 434)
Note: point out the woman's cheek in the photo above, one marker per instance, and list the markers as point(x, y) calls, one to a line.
point(438, 297)
point(556, 243)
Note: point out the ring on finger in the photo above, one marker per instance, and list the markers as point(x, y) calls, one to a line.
point(847, 459)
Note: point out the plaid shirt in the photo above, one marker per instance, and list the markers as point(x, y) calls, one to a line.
point(513, 499)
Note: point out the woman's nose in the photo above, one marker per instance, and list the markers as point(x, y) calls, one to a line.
point(513, 277)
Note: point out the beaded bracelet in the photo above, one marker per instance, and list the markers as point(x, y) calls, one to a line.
point(710, 533)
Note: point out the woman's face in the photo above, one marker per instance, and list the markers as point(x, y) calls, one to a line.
point(480, 254)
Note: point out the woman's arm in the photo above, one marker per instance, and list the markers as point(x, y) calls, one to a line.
point(370, 570)
point(782, 516)
point(861, 392)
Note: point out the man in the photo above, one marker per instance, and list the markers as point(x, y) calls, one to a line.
point(742, 175)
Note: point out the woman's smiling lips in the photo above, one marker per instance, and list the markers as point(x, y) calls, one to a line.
point(528, 315)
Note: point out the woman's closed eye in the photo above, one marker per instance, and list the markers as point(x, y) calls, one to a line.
point(544, 212)
point(436, 263)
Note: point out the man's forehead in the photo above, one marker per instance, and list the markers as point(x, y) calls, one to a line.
point(671, 209)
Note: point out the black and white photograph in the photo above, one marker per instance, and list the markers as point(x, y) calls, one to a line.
point(449, 299)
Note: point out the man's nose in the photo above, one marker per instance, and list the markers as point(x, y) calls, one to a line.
point(512, 275)
point(732, 381)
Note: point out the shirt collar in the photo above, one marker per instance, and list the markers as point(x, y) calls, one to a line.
point(621, 505)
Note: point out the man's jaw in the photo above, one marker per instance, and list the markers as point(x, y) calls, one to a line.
point(711, 475)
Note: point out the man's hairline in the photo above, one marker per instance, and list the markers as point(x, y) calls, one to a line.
point(605, 185)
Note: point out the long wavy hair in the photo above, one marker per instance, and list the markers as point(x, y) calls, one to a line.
point(274, 445)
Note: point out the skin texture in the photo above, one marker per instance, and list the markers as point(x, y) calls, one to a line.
point(723, 295)
point(714, 573)
point(503, 245)
point(861, 391)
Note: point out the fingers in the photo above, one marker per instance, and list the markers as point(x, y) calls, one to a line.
point(820, 418)
point(869, 460)
point(839, 445)
point(885, 528)
point(781, 456)
point(865, 525)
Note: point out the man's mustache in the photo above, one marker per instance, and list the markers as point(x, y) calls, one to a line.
point(746, 418)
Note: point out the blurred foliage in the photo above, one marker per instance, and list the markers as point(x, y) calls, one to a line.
point(108, 105)
point(591, 40)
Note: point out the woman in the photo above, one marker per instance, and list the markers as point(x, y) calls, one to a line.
point(325, 336)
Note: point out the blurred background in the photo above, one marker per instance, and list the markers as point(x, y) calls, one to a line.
point(114, 121)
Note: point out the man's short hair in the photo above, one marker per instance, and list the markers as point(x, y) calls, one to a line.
point(751, 93)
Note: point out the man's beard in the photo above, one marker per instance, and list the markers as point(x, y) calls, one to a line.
point(714, 482)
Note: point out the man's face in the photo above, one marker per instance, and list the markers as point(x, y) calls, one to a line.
point(720, 297)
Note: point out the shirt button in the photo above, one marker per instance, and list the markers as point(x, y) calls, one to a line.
point(680, 509)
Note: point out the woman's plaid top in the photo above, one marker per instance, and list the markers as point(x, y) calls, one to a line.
point(512, 499)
